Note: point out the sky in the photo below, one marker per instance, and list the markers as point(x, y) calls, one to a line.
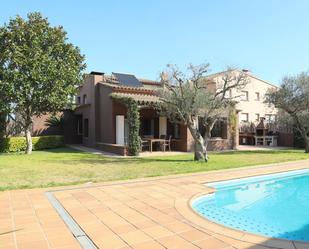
point(268, 37)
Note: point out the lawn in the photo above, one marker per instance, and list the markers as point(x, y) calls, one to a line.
point(67, 166)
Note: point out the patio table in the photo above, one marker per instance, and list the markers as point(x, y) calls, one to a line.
point(153, 140)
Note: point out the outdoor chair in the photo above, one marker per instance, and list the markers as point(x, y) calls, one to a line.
point(144, 145)
point(167, 144)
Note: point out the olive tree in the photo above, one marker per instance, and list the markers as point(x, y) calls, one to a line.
point(197, 100)
point(39, 69)
point(293, 99)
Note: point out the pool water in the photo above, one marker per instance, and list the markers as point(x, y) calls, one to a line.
point(275, 205)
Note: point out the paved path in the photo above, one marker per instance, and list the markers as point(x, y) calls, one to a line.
point(142, 214)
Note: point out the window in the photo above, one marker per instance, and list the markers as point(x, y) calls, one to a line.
point(217, 129)
point(244, 96)
point(270, 118)
point(257, 96)
point(148, 127)
point(78, 100)
point(79, 127)
point(257, 117)
point(176, 130)
point(84, 99)
point(86, 127)
point(244, 117)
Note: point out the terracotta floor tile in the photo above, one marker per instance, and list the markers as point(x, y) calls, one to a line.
point(177, 226)
point(135, 237)
point(172, 241)
point(126, 228)
point(41, 244)
point(110, 242)
point(148, 245)
point(211, 243)
point(157, 231)
point(61, 241)
point(144, 224)
point(194, 235)
point(6, 238)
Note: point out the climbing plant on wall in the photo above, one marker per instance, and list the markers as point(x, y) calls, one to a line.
point(133, 123)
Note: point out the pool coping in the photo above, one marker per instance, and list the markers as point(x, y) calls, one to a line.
point(184, 207)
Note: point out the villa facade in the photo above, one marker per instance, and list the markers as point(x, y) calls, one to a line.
point(102, 120)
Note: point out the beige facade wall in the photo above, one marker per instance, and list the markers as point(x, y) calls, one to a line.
point(252, 106)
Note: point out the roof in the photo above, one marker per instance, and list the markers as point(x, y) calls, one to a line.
point(113, 82)
point(126, 88)
point(149, 82)
point(246, 73)
point(140, 98)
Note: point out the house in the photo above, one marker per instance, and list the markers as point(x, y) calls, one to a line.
point(254, 111)
point(102, 118)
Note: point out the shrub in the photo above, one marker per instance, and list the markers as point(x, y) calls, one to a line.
point(17, 144)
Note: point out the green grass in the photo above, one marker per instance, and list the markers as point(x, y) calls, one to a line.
point(67, 166)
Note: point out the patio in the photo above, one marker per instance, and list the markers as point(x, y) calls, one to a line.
point(146, 213)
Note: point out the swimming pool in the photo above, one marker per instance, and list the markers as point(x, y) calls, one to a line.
point(275, 205)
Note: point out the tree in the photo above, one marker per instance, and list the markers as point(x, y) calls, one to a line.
point(39, 69)
point(293, 99)
point(198, 101)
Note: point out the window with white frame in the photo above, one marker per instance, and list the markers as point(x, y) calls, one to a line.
point(257, 117)
point(270, 118)
point(257, 96)
point(244, 96)
point(244, 117)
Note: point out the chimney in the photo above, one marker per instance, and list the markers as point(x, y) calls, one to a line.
point(245, 70)
point(164, 76)
point(97, 76)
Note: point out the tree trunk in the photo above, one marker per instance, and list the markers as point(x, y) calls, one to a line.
point(207, 137)
point(304, 135)
point(29, 141)
point(199, 149)
point(306, 144)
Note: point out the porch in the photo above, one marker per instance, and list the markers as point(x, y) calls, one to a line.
point(157, 133)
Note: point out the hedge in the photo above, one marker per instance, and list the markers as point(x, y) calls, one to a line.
point(17, 144)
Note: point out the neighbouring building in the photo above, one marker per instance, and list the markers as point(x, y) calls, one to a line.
point(255, 113)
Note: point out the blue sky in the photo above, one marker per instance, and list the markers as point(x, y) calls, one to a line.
point(269, 37)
